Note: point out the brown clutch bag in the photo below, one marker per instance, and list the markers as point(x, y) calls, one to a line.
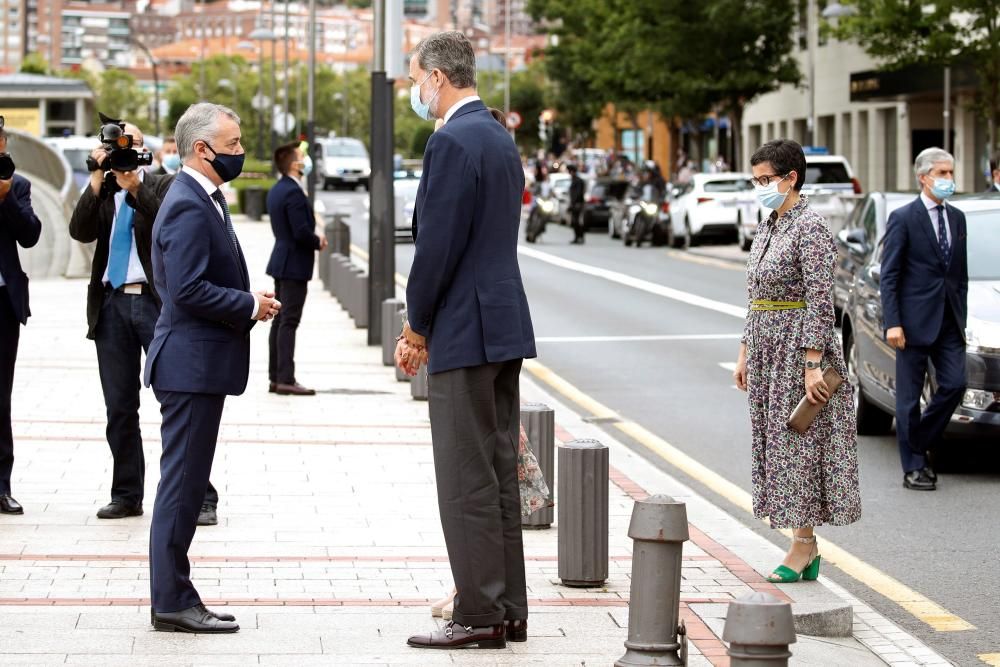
point(804, 413)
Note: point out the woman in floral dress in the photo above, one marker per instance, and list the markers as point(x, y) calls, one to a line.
point(799, 480)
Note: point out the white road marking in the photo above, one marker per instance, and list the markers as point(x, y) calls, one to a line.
point(728, 365)
point(636, 283)
point(639, 339)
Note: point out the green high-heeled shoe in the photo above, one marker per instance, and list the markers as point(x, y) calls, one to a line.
point(786, 575)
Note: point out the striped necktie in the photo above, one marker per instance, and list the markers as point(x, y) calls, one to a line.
point(217, 196)
point(942, 231)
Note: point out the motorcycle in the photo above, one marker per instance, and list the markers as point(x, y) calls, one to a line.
point(642, 216)
point(543, 212)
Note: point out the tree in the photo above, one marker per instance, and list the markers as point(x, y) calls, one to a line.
point(901, 33)
point(34, 63)
point(119, 96)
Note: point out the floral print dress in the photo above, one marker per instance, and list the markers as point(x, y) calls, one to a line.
point(805, 479)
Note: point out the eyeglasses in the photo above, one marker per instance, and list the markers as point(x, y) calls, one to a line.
point(765, 180)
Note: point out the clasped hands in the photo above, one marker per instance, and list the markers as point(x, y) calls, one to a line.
point(411, 351)
point(267, 305)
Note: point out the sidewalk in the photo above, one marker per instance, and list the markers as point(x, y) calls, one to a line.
point(329, 548)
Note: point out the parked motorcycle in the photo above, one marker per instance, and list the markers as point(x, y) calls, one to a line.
point(544, 211)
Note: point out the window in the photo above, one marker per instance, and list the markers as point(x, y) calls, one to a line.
point(984, 245)
point(735, 185)
point(869, 223)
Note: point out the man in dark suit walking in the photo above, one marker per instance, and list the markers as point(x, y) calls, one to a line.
point(924, 283)
point(291, 265)
point(18, 226)
point(469, 316)
point(122, 307)
point(576, 188)
point(200, 351)
point(994, 175)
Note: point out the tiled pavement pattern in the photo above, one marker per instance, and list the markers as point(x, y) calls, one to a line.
point(329, 548)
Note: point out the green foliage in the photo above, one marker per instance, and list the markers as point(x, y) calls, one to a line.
point(34, 63)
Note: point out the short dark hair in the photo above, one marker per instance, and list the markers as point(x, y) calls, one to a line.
point(284, 156)
point(571, 168)
point(785, 156)
point(452, 53)
point(994, 163)
point(498, 116)
point(169, 140)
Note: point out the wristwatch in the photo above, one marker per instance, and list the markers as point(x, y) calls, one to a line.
point(810, 365)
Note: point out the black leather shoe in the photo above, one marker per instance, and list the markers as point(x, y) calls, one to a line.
point(10, 506)
point(221, 617)
point(517, 630)
point(931, 475)
point(294, 389)
point(118, 510)
point(454, 635)
point(196, 619)
point(918, 480)
point(208, 516)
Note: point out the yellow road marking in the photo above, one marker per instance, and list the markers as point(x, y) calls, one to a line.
point(706, 261)
point(913, 602)
point(990, 658)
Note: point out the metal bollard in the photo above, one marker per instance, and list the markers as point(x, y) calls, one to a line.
point(391, 325)
point(759, 627)
point(339, 235)
point(359, 299)
point(583, 513)
point(418, 385)
point(540, 424)
point(323, 261)
point(400, 375)
point(656, 636)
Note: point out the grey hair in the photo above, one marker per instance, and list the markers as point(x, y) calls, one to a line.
point(199, 123)
point(451, 52)
point(925, 161)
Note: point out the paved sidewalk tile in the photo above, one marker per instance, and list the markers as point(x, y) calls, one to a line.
point(329, 548)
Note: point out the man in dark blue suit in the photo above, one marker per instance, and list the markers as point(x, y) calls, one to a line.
point(200, 351)
point(468, 316)
point(924, 283)
point(18, 226)
point(291, 265)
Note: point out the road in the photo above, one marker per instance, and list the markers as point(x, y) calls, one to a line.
point(676, 382)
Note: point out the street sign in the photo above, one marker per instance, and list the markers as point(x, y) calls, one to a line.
point(514, 120)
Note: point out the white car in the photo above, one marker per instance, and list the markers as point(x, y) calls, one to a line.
point(342, 161)
point(710, 205)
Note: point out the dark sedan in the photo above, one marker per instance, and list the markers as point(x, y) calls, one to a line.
point(872, 363)
point(603, 207)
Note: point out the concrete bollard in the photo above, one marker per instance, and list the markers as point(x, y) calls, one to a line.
point(583, 513)
point(391, 326)
point(759, 627)
point(338, 235)
point(656, 636)
point(359, 299)
point(418, 385)
point(338, 270)
point(540, 424)
point(400, 375)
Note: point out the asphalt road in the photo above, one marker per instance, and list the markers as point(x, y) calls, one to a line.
point(942, 544)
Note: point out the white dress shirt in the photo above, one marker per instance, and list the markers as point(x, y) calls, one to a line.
point(210, 189)
point(931, 205)
point(458, 105)
point(135, 274)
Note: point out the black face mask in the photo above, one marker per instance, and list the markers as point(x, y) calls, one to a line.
point(227, 166)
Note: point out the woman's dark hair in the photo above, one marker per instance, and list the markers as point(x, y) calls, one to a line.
point(498, 116)
point(785, 156)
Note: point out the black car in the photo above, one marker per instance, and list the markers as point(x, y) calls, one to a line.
point(604, 204)
point(871, 362)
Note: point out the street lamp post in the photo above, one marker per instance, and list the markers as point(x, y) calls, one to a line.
point(259, 35)
point(156, 86)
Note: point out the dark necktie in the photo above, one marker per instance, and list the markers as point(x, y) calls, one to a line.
point(217, 196)
point(942, 230)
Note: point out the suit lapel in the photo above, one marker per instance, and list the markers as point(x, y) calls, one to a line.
point(235, 251)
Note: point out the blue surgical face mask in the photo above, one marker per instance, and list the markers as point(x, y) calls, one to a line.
point(422, 109)
point(769, 197)
point(943, 188)
point(307, 166)
point(172, 161)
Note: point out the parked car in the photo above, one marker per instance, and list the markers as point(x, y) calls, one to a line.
point(860, 236)
point(405, 183)
point(871, 362)
point(831, 187)
point(76, 149)
point(604, 205)
point(342, 161)
point(708, 206)
point(559, 182)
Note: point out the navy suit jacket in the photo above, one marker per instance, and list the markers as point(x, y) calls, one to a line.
point(464, 292)
point(293, 224)
point(18, 225)
point(918, 282)
point(202, 339)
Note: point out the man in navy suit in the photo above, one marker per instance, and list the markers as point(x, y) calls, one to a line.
point(18, 226)
point(200, 351)
point(924, 283)
point(994, 175)
point(291, 265)
point(468, 316)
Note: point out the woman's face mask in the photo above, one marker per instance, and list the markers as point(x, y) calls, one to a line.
point(769, 196)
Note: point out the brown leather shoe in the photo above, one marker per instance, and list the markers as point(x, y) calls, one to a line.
point(517, 630)
point(454, 635)
point(293, 390)
point(272, 387)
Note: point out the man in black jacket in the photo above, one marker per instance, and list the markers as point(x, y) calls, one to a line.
point(18, 226)
point(576, 188)
point(291, 265)
point(122, 308)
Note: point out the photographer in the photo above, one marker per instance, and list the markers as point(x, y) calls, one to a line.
point(122, 302)
point(18, 226)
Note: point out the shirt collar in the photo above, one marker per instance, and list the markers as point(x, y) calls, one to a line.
point(202, 180)
point(928, 202)
point(458, 105)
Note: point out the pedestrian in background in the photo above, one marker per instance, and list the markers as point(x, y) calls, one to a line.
point(291, 265)
point(19, 226)
point(800, 480)
point(467, 312)
point(576, 188)
point(924, 285)
point(168, 157)
point(994, 175)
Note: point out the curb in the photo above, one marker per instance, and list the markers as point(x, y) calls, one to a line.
point(823, 619)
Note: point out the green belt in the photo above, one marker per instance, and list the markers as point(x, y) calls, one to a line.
point(767, 304)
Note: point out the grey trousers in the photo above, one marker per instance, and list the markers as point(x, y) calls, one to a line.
point(475, 416)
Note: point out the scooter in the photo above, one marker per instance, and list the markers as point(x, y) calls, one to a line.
point(542, 213)
point(639, 223)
